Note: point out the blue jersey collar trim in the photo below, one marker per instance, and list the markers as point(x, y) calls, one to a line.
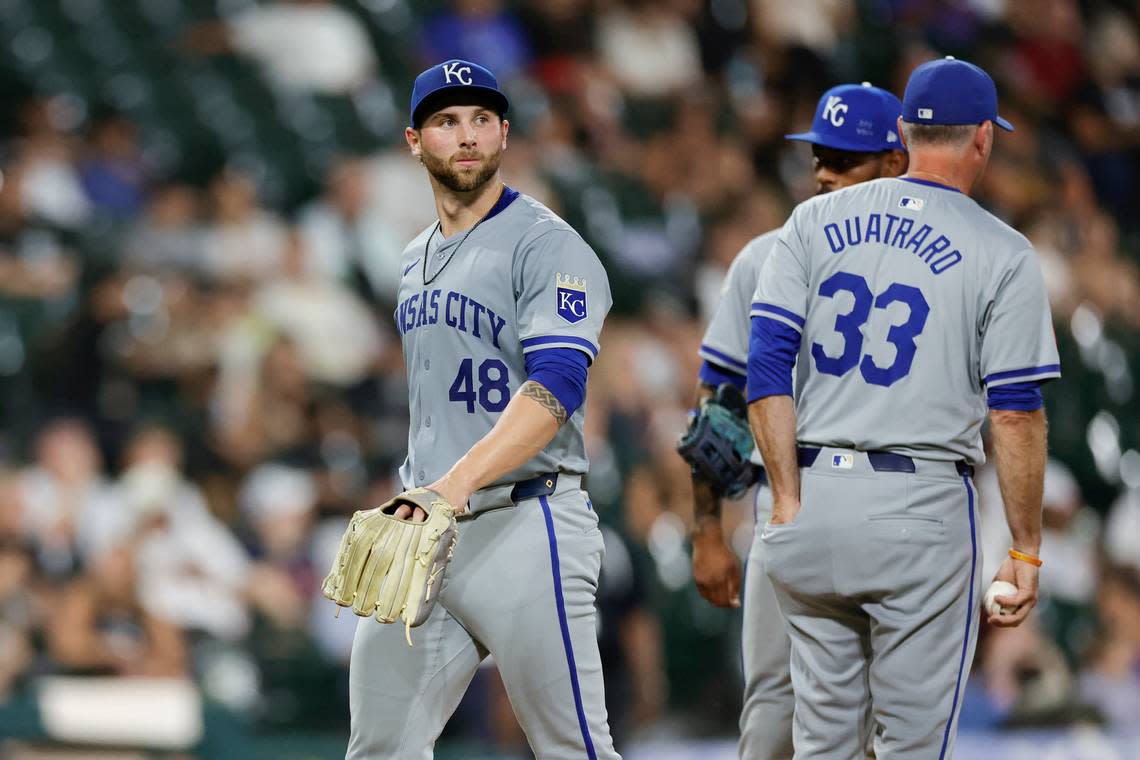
point(928, 183)
point(506, 198)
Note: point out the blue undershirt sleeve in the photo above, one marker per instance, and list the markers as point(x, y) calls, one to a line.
point(562, 371)
point(713, 375)
point(772, 351)
point(1018, 397)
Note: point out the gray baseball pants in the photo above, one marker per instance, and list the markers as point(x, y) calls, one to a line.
point(878, 578)
point(766, 719)
point(520, 587)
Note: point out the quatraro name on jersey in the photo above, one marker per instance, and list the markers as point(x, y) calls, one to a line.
point(901, 232)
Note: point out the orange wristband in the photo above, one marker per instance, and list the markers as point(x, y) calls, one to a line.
point(1015, 554)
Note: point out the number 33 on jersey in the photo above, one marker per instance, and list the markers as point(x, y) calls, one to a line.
point(884, 281)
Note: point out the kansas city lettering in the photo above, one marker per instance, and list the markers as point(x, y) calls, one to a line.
point(456, 310)
point(902, 233)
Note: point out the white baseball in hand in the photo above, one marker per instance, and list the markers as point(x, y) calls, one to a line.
point(996, 589)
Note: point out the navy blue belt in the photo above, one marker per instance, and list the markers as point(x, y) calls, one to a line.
point(881, 461)
point(539, 485)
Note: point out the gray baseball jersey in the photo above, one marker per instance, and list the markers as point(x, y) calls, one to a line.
point(726, 338)
point(522, 581)
point(909, 296)
point(471, 307)
point(768, 702)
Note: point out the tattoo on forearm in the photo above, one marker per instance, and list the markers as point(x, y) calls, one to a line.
point(537, 392)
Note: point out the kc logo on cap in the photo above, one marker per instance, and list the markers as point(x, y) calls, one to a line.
point(457, 82)
point(457, 71)
point(834, 111)
point(855, 117)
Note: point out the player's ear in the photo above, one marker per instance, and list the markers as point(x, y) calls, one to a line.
point(505, 127)
point(902, 135)
point(984, 138)
point(895, 163)
point(413, 138)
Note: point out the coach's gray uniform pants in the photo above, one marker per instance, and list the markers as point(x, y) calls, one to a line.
point(521, 587)
point(878, 577)
point(766, 720)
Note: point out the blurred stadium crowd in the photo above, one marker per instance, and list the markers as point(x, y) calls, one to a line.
point(201, 210)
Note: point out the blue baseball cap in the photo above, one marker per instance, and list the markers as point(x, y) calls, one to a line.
point(855, 117)
point(949, 91)
point(455, 77)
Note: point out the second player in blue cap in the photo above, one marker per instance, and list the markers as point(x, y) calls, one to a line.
point(854, 136)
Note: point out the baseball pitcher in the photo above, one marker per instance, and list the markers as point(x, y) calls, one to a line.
point(500, 307)
point(907, 310)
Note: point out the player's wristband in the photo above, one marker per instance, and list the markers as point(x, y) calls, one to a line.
point(1015, 554)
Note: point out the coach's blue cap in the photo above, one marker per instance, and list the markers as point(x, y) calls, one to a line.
point(949, 91)
point(855, 117)
point(455, 76)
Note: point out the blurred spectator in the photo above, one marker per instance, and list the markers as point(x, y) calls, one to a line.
point(311, 45)
point(1122, 530)
point(482, 31)
point(1019, 675)
point(629, 640)
point(1116, 65)
point(632, 32)
point(99, 627)
point(1111, 680)
point(168, 237)
point(191, 569)
point(39, 194)
point(561, 34)
point(111, 170)
point(49, 187)
point(69, 511)
point(17, 611)
point(400, 200)
point(279, 503)
point(811, 24)
point(346, 243)
point(267, 413)
point(33, 264)
point(243, 240)
point(308, 309)
point(1046, 60)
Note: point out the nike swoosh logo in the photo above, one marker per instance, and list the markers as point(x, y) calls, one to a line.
point(408, 268)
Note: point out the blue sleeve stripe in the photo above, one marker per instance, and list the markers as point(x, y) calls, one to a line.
point(1046, 370)
point(1017, 397)
point(713, 375)
point(530, 344)
point(724, 360)
point(767, 308)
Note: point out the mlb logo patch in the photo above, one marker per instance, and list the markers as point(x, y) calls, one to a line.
point(842, 461)
point(571, 295)
point(926, 113)
point(912, 204)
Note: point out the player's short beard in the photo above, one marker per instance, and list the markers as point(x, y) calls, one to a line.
point(458, 180)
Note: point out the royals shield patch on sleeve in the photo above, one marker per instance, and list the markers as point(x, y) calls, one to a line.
point(571, 296)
